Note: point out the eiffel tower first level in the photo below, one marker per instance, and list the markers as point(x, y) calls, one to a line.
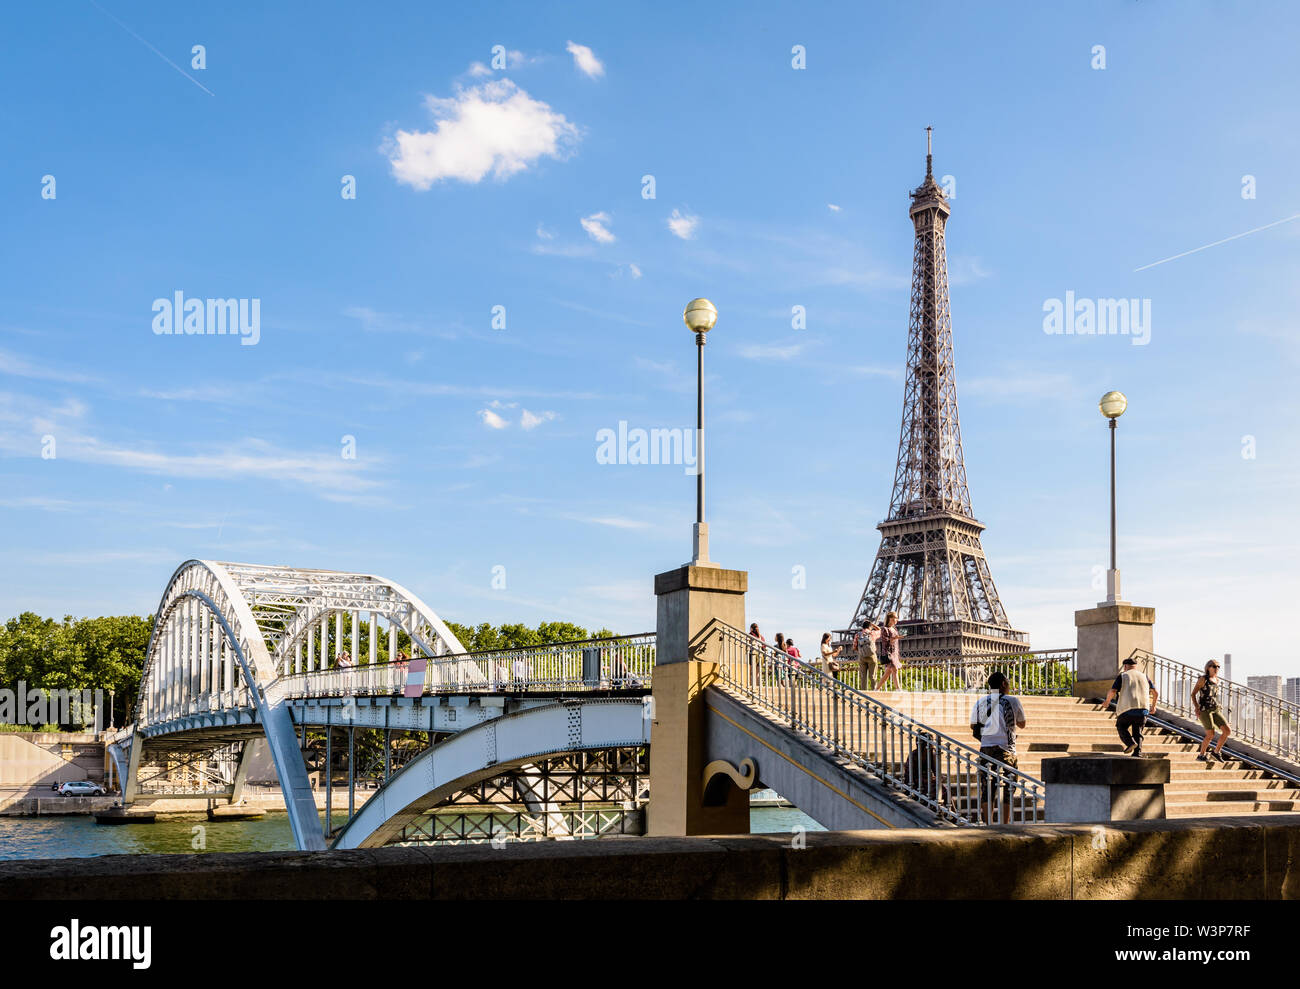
point(930, 568)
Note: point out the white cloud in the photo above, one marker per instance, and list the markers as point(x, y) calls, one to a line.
point(495, 127)
point(530, 420)
point(769, 352)
point(683, 224)
point(22, 368)
point(585, 60)
point(492, 420)
point(613, 521)
point(596, 229)
point(965, 271)
point(832, 207)
point(478, 69)
point(544, 234)
point(634, 270)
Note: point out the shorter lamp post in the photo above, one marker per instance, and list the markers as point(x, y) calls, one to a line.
point(700, 315)
point(1112, 406)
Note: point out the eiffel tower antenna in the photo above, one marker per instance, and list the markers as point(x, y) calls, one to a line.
point(930, 568)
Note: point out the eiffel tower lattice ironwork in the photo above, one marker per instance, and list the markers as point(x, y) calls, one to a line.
point(930, 568)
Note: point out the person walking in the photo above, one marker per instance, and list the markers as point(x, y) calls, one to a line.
point(1135, 695)
point(829, 666)
point(890, 653)
point(994, 720)
point(1205, 702)
point(864, 642)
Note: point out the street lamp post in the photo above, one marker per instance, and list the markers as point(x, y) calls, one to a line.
point(1112, 406)
point(700, 315)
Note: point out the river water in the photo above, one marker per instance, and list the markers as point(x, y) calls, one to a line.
point(78, 836)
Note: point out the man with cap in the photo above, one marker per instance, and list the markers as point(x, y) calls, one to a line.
point(1136, 697)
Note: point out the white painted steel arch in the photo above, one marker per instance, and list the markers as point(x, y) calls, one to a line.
point(489, 749)
point(224, 633)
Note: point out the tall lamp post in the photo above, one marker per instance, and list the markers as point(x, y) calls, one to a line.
point(1112, 406)
point(700, 315)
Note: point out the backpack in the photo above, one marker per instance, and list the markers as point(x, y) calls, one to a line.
point(983, 721)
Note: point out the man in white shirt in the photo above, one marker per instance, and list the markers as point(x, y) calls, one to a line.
point(994, 720)
point(1135, 695)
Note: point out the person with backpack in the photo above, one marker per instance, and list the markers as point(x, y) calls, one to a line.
point(1205, 702)
point(1135, 694)
point(994, 720)
point(864, 643)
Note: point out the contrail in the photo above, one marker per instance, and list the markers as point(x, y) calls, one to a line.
point(152, 48)
point(1246, 233)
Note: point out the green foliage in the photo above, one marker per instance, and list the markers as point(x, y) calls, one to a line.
point(82, 654)
point(478, 638)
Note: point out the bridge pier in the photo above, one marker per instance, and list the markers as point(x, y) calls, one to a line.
point(689, 599)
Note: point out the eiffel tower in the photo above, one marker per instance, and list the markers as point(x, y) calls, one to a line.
point(930, 567)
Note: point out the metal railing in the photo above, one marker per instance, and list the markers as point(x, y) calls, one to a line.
point(1263, 720)
point(622, 662)
point(957, 783)
point(1046, 672)
point(476, 827)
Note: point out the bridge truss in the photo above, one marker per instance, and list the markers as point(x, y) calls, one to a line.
point(223, 637)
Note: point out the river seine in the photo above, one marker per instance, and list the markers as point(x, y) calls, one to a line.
point(78, 836)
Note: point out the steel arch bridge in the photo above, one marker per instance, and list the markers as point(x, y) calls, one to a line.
point(240, 653)
point(225, 634)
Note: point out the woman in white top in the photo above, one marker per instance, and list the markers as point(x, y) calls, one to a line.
point(828, 657)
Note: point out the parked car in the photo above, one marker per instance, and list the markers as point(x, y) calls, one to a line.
point(81, 788)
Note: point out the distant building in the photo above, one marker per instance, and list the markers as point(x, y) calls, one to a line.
point(1266, 685)
point(1291, 691)
point(1226, 672)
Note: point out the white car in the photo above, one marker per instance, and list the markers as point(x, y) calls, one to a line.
point(81, 788)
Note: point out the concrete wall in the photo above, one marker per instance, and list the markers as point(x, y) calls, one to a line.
point(830, 790)
point(34, 758)
point(1217, 859)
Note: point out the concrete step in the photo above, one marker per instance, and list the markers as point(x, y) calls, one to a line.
point(1182, 797)
point(1223, 808)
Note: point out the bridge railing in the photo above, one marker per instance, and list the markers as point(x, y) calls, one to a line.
point(955, 782)
point(1257, 718)
point(1049, 672)
point(619, 662)
point(1043, 672)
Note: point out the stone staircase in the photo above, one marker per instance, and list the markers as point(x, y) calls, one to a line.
point(1061, 725)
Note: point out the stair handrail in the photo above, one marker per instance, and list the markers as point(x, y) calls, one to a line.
point(904, 753)
point(1264, 720)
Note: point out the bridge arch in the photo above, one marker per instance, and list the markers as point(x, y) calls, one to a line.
point(488, 749)
point(224, 633)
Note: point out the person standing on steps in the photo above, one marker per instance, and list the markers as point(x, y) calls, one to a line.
point(864, 641)
point(994, 720)
point(829, 652)
point(1205, 702)
point(889, 651)
point(1136, 696)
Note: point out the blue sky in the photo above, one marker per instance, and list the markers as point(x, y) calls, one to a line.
point(775, 187)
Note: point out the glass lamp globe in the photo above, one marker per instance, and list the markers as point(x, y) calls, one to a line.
point(1113, 404)
point(700, 315)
